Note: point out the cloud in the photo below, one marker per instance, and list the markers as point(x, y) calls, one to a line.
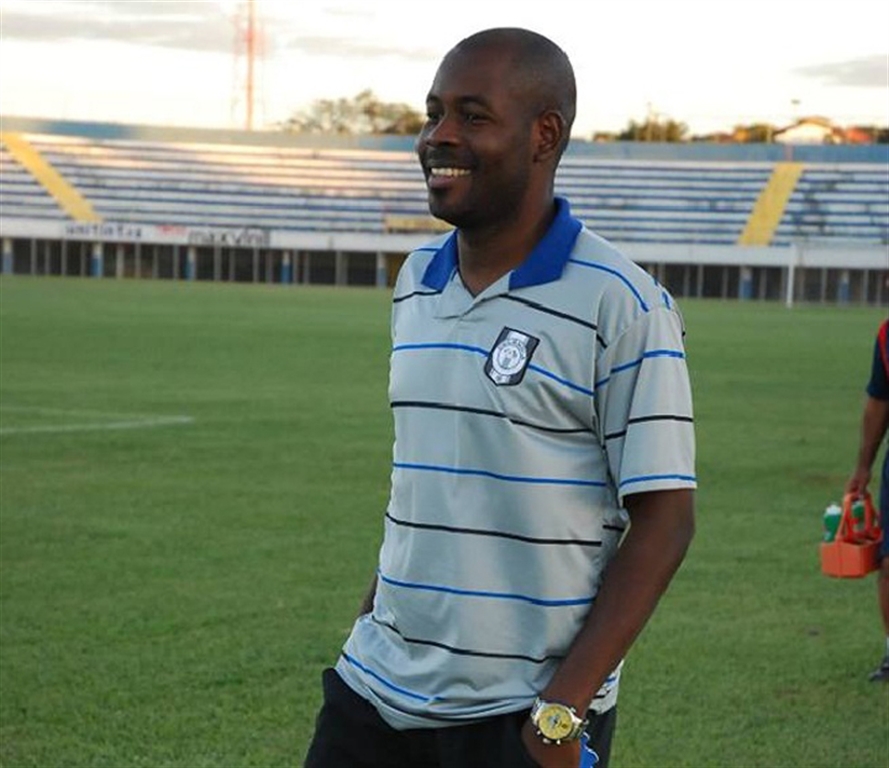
point(863, 72)
point(186, 24)
point(351, 47)
point(191, 25)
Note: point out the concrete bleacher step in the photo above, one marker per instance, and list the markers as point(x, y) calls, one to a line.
point(303, 189)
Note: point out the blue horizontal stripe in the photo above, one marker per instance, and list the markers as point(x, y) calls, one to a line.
point(644, 478)
point(484, 353)
point(566, 602)
point(431, 345)
point(497, 476)
point(647, 356)
point(358, 665)
point(674, 353)
point(569, 384)
point(621, 277)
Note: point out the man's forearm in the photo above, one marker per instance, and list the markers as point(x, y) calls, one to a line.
point(662, 526)
point(873, 427)
point(367, 604)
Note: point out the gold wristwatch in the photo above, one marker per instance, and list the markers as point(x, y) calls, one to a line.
point(556, 722)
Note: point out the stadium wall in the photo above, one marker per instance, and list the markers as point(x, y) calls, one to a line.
point(834, 273)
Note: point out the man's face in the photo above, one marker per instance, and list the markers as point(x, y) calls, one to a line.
point(475, 148)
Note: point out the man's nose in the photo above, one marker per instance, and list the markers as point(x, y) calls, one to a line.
point(444, 131)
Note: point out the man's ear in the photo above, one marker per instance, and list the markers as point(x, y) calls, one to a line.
point(550, 133)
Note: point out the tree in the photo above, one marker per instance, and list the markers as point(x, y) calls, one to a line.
point(756, 133)
point(363, 114)
point(654, 129)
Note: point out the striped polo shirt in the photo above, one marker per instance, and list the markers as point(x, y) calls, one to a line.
point(523, 416)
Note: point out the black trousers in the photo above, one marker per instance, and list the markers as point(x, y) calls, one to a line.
point(350, 734)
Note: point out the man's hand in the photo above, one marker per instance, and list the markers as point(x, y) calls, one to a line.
point(859, 481)
point(565, 755)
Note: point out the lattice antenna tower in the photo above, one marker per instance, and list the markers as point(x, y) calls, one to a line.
point(248, 52)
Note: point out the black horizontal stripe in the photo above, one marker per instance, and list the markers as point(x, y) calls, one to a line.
point(496, 534)
point(484, 412)
point(556, 313)
point(467, 651)
point(410, 295)
point(642, 419)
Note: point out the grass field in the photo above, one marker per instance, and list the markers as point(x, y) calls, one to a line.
point(193, 480)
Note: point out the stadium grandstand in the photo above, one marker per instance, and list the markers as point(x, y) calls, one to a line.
point(804, 223)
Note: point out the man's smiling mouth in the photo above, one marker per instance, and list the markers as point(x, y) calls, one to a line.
point(450, 173)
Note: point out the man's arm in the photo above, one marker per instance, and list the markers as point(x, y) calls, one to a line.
point(367, 604)
point(874, 423)
point(662, 526)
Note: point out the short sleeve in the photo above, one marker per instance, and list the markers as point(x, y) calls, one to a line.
point(878, 386)
point(644, 406)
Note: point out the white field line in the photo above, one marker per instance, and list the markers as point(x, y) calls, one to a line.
point(119, 421)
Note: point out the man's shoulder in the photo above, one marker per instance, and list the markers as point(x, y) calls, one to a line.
point(595, 251)
point(622, 286)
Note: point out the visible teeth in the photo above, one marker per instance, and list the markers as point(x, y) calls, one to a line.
point(451, 172)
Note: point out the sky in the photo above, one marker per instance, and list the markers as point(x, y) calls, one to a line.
point(711, 64)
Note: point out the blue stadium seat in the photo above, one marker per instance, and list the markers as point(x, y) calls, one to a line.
point(21, 195)
point(849, 202)
point(356, 190)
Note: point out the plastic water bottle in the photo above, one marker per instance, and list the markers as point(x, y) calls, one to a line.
point(832, 516)
point(858, 515)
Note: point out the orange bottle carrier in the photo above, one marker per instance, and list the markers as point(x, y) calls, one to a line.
point(853, 554)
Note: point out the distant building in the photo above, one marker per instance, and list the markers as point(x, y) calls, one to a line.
point(860, 135)
point(819, 130)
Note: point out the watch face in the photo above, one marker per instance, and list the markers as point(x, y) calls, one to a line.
point(554, 721)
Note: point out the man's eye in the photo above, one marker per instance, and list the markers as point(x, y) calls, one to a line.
point(474, 118)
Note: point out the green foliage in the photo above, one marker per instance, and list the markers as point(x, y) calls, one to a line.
point(364, 113)
point(170, 593)
point(760, 133)
point(653, 128)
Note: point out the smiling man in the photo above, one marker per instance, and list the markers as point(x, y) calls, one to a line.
point(543, 469)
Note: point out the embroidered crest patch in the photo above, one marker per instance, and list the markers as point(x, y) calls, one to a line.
point(509, 358)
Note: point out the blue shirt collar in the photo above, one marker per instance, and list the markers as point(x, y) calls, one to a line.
point(543, 265)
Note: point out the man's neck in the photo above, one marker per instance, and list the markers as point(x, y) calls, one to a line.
point(485, 255)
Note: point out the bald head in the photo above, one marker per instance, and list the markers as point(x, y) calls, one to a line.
point(539, 66)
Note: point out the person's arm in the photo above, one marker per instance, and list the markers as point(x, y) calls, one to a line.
point(874, 422)
point(662, 526)
point(367, 604)
point(875, 418)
